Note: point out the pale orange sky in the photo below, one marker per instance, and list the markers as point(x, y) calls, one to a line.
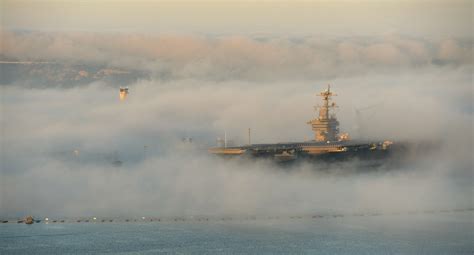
point(419, 18)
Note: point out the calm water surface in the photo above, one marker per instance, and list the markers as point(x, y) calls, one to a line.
point(448, 233)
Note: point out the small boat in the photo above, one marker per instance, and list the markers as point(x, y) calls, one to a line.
point(123, 93)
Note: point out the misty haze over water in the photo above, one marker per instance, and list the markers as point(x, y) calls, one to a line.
point(60, 134)
point(70, 149)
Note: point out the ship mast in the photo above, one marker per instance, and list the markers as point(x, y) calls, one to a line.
point(325, 127)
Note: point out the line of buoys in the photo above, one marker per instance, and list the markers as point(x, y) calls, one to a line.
point(30, 220)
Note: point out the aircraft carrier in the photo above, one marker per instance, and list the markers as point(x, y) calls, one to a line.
point(328, 143)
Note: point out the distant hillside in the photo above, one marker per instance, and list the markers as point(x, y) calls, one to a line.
point(51, 74)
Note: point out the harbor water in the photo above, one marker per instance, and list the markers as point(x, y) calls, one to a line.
point(425, 233)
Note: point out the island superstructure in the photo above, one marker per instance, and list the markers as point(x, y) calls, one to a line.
point(327, 143)
point(326, 126)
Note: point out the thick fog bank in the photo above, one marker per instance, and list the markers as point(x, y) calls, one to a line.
point(81, 151)
point(59, 147)
point(42, 59)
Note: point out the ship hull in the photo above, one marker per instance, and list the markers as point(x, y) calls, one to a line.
point(346, 157)
point(308, 151)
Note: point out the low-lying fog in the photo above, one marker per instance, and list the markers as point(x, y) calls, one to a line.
point(59, 145)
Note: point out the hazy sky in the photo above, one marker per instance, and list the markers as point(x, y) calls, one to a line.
point(451, 18)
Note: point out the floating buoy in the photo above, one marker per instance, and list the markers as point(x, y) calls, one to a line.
point(29, 220)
